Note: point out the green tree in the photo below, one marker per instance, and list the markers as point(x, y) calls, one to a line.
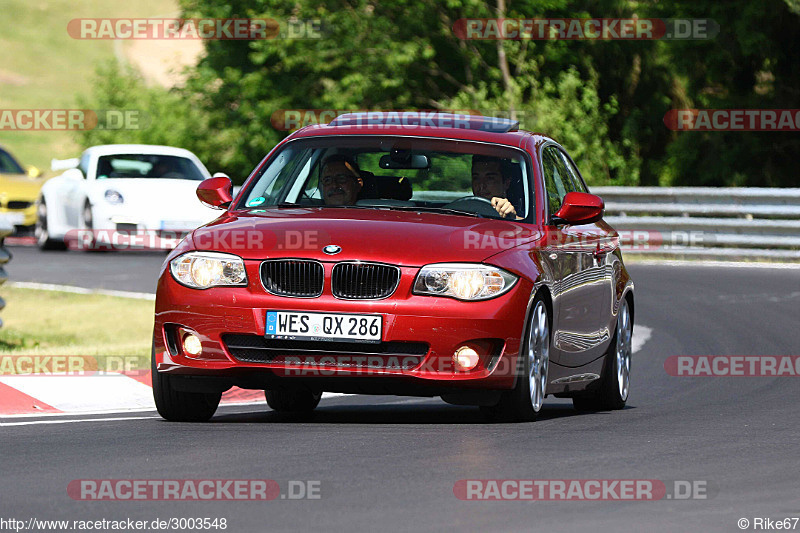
point(164, 116)
point(402, 55)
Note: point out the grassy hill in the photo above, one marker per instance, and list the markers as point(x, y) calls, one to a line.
point(42, 67)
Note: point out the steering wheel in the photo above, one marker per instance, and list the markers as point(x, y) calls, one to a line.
point(474, 204)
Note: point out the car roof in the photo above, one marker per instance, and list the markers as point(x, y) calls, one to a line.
point(108, 149)
point(471, 127)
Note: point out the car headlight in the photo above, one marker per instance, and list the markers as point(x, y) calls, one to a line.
point(114, 197)
point(201, 270)
point(463, 281)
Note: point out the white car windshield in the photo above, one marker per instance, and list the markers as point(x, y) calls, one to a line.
point(147, 166)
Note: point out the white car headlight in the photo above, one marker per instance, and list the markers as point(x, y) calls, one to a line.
point(201, 270)
point(114, 197)
point(463, 281)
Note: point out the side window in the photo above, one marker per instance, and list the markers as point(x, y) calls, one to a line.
point(574, 175)
point(8, 165)
point(556, 179)
point(5, 163)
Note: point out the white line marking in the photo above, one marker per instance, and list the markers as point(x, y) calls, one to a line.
point(641, 334)
point(111, 411)
point(36, 422)
point(80, 290)
point(717, 264)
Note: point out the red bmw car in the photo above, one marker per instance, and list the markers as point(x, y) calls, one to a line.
point(407, 254)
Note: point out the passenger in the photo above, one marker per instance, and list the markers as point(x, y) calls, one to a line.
point(490, 182)
point(340, 180)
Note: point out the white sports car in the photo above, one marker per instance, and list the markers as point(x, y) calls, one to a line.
point(120, 196)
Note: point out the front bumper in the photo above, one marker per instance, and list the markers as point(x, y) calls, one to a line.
point(19, 217)
point(442, 325)
point(125, 229)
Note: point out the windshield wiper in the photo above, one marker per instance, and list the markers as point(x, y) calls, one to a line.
point(429, 209)
point(426, 209)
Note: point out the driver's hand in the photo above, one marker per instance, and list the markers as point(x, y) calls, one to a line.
point(503, 206)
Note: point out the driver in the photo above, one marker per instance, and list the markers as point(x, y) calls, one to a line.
point(489, 181)
point(340, 180)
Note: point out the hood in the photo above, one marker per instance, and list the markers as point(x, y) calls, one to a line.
point(406, 238)
point(20, 186)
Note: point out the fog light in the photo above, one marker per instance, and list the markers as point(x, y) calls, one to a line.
point(465, 358)
point(191, 345)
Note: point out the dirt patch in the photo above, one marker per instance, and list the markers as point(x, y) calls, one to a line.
point(11, 78)
point(162, 62)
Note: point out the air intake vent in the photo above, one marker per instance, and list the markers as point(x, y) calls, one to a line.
point(364, 281)
point(293, 277)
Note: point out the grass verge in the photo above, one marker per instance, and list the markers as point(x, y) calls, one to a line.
point(37, 322)
point(43, 67)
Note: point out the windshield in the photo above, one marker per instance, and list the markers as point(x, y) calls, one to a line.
point(147, 166)
point(377, 172)
point(8, 165)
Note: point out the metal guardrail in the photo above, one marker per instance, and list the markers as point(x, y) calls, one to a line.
point(5, 256)
point(706, 223)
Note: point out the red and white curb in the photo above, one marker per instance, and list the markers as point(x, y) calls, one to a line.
point(110, 393)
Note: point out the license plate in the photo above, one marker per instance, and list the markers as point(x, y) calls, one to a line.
point(179, 225)
point(292, 325)
point(16, 219)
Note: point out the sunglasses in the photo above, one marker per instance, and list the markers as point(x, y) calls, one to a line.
point(338, 179)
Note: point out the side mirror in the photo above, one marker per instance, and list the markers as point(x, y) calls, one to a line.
point(580, 208)
point(216, 192)
point(33, 172)
point(73, 174)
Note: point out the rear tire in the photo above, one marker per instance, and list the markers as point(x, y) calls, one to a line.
point(293, 401)
point(41, 232)
point(179, 406)
point(615, 386)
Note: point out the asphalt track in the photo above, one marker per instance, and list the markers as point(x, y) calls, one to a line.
point(391, 463)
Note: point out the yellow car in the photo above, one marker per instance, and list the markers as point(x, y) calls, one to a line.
point(19, 189)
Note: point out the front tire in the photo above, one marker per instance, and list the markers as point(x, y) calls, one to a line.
point(293, 400)
point(90, 242)
point(41, 232)
point(179, 406)
point(615, 387)
point(524, 401)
